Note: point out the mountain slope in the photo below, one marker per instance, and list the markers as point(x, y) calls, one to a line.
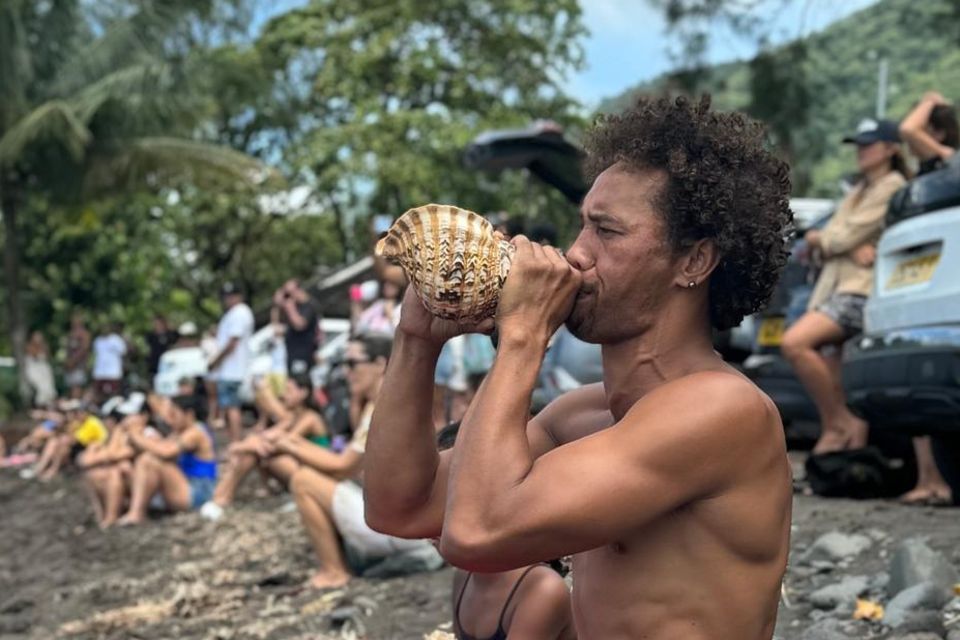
point(841, 76)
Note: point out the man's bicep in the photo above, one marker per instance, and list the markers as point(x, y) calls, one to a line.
point(429, 521)
point(602, 487)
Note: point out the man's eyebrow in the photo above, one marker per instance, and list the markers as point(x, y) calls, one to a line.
point(599, 217)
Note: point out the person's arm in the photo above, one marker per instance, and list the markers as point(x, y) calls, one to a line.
point(297, 321)
point(862, 224)
point(339, 465)
point(405, 478)
point(166, 448)
point(913, 129)
point(227, 350)
point(506, 510)
point(310, 424)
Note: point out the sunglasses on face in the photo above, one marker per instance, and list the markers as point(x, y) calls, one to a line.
point(353, 362)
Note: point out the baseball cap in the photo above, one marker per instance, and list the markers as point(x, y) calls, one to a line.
point(229, 289)
point(132, 404)
point(188, 328)
point(870, 131)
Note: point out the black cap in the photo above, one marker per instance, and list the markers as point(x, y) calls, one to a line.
point(870, 131)
point(229, 289)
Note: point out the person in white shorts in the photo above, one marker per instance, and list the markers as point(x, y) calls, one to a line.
point(327, 490)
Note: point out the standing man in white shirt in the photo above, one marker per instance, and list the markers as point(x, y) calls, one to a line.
point(230, 363)
point(109, 348)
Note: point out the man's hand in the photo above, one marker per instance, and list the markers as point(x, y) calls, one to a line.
point(539, 292)
point(416, 321)
point(278, 296)
point(935, 97)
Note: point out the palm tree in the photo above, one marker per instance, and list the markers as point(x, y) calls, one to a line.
point(87, 102)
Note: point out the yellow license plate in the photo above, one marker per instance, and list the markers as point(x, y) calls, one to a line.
point(913, 271)
point(771, 332)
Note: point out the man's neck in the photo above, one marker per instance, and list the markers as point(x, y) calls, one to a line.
point(667, 351)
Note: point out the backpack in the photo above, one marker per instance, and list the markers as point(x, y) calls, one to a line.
point(858, 473)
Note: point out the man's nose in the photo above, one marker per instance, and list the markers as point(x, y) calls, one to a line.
point(578, 256)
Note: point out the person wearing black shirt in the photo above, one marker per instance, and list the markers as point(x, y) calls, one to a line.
point(159, 340)
point(293, 308)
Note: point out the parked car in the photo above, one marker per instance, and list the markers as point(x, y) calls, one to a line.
point(191, 362)
point(903, 374)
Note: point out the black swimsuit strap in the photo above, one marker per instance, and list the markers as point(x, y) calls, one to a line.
point(516, 585)
point(500, 633)
point(456, 611)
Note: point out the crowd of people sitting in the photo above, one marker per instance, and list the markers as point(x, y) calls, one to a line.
point(140, 453)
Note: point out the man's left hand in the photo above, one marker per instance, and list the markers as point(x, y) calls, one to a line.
point(539, 292)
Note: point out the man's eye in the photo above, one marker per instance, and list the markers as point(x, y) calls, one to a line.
point(605, 231)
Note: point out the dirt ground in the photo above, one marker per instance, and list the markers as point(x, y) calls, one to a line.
point(241, 578)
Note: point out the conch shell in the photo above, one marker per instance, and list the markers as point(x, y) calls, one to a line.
point(453, 259)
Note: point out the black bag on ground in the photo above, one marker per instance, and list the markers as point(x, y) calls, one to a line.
point(858, 473)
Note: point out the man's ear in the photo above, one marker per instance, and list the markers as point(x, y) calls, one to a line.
point(698, 263)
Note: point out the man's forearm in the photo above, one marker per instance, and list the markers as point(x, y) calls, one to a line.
point(492, 453)
point(401, 455)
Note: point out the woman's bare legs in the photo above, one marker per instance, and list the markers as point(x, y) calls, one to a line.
point(313, 493)
point(820, 376)
point(152, 475)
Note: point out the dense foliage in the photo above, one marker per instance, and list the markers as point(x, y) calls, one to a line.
point(151, 150)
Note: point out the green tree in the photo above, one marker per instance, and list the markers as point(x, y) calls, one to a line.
point(84, 99)
point(391, 93)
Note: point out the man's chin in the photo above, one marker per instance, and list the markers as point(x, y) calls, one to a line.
point(580, 322)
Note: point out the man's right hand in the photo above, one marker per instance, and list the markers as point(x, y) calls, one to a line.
point(417, 322)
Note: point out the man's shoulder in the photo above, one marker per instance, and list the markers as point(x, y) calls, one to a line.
point(716, 396)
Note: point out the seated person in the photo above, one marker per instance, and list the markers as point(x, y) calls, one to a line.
point(529, 602)
point(180, 469)
point(82, 428)
point(293, 416)
point(107, 466)
point(326, 487)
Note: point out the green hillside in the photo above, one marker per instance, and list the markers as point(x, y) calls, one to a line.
point(919, 41)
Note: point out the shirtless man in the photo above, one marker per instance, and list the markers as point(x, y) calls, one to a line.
point(669, 481)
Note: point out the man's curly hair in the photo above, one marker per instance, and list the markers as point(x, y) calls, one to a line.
point(722, 183)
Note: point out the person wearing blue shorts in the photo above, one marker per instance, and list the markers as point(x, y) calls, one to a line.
point(180, 468)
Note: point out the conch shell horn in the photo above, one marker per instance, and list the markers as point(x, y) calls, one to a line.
point(455, 262)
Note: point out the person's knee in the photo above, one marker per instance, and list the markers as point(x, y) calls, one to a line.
point(793, 344)
point(146, 459)
point(301, 481)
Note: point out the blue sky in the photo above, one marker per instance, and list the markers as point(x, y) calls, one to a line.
point(629, 43)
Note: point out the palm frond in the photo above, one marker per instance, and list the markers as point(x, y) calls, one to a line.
point(133, 80)
point(153, 160)
point(54, 121)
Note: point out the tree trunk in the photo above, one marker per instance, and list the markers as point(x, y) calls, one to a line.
point(11, 268)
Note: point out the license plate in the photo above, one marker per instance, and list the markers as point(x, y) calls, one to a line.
point(771, 332)
point(913, 271)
